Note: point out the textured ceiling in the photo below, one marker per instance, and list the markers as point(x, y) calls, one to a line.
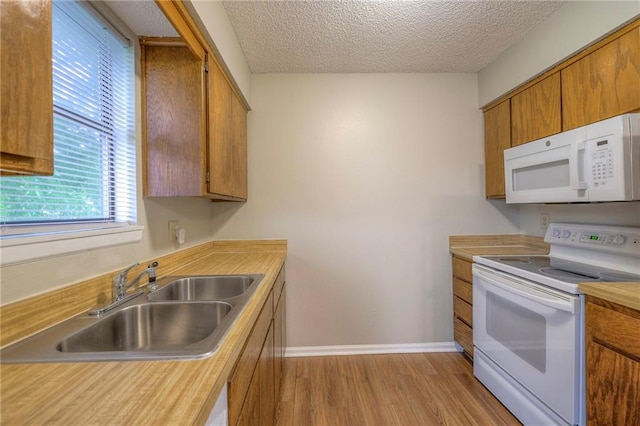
point(339, 36)
point(143, 17)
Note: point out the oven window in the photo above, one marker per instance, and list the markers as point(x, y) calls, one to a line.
point(520, 330)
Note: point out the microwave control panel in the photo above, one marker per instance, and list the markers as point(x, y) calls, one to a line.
point(601, 163)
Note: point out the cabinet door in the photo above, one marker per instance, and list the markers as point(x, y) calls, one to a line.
point(497, 138)
point(279, 342)
point(603, 84)
point(535, 112)
point(250, 414)
point(613, 387)
point(248, 364)
point(227, 139)
point(173, 132)
point(26, 87)
point(267, 388)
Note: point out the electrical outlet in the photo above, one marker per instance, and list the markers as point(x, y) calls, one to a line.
point(173, 224)
point(545, 218)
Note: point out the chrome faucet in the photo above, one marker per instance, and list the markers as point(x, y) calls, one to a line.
point(120, 287)
point(120, 284)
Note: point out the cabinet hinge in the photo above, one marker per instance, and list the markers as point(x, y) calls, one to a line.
point(206, 177)
point(206, 67)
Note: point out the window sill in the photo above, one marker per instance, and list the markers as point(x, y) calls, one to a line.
point(27, 248)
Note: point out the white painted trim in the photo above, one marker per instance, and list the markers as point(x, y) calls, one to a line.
point(304, 351)
point(21, 249)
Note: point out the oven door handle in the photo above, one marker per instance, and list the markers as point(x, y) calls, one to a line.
point(522, 289)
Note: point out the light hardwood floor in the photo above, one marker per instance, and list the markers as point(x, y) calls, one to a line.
point(399, 389)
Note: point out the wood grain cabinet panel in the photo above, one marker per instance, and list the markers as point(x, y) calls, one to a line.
point(174, 140)
point(536, 111)
point(497, 138)
point(242, 376)
point(279, 340)
point(613, 363)
point(255, 384)
point(603, 84)
point(227, 139)
point(462, 305)
point(26, 87)
point(195, 138)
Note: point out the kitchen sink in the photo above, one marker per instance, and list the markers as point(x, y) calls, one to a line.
point(186, 318)
point(149, 327)
point(208, 287)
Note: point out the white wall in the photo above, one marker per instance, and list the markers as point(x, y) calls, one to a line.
point(366, 175)
point(568, 30)
point(620, 214)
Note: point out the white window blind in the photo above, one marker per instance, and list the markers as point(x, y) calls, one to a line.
point(94, 177)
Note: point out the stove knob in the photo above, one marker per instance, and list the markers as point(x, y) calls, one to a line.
point(618, 240)
point(555, 233)
point(566, 234)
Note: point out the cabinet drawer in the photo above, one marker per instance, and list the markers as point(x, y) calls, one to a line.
point(462, 269)
point(619, 328)
point(462, 310)
point(463, 290)
point(246, 365)
point(463, 334)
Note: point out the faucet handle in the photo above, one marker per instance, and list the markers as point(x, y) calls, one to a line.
point(121, 278)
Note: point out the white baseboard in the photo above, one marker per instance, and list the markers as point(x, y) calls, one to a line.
point(304, 351)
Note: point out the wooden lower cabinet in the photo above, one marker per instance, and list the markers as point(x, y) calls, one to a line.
point(462, 304)
point(279, 340)
point(613, 363)
point(254, 385)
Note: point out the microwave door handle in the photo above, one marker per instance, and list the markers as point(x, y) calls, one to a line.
point(574, 167)
point(512, 286)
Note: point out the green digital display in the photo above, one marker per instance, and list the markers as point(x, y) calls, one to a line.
point(594, 238)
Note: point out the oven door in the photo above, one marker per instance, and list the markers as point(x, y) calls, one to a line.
point(533, 333)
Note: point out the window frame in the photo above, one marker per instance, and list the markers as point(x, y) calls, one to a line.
point(26, 242)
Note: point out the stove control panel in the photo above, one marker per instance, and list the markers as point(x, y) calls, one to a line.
point(602, 238)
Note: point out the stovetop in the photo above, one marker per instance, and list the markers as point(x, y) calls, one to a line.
point(562, 269)
point(578, 253)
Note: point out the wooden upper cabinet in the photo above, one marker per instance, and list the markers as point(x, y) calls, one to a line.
point(603, 84)
point(195, 133)
point(227, 139)
point(174, 134)
point(497, 138)
point(535, 112)
point(26, 87)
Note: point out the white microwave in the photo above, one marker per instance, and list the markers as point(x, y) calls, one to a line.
point(594, 163)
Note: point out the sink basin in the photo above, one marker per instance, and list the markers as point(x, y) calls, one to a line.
point(186, 318)
point(149, 327)
point(207, 287)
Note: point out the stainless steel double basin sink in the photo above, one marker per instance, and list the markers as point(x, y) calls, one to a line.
point(186, 318)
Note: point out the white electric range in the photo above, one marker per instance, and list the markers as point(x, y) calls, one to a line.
point(528, 318)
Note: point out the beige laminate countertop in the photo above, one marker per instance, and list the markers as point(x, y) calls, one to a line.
point(467, 246)
point(625, 294)
point(141, 392)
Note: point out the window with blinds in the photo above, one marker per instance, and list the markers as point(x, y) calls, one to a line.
point(94, 177)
